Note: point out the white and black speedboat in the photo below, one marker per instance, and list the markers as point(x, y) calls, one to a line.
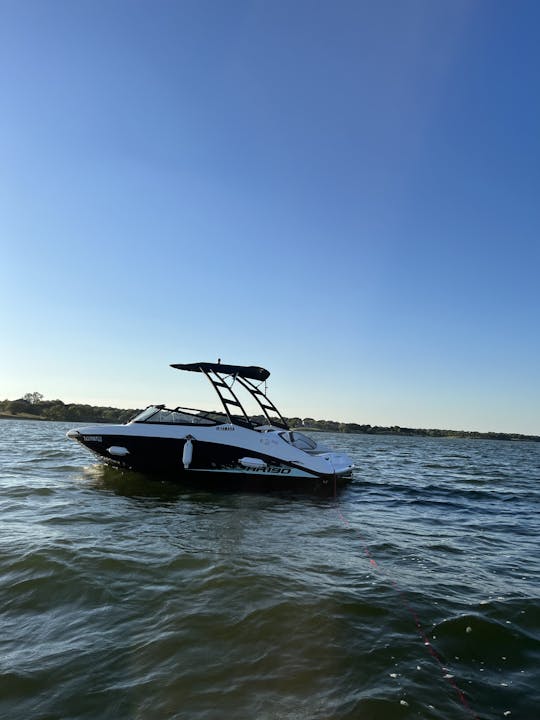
point(230, 448)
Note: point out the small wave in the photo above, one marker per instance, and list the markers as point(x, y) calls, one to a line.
point(481, 637)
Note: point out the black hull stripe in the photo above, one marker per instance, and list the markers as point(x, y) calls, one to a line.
point(148, 454)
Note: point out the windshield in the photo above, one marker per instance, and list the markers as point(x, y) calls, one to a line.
point(299, 440)
point(145, 414)
point(160, 414)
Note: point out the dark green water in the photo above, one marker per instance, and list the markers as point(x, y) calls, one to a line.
point(126, 598)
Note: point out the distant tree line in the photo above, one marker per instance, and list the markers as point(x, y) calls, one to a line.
point(32, 405)
point(340, 427)
point(333, 426)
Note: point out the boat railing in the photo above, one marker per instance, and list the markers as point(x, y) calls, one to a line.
point(159, 414)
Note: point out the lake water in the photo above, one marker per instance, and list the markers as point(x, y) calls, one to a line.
point(414, 594)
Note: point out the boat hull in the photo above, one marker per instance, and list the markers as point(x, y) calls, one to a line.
point(210, 464)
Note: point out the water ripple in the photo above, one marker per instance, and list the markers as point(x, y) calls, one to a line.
point(123, 596)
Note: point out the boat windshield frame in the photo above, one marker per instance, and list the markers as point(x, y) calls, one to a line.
point(157, 415)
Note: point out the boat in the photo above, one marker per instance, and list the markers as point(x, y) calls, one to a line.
point(231, 449)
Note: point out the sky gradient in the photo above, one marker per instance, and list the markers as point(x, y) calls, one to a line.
point(346, 193)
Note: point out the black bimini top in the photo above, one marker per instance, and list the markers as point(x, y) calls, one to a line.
point(245, 371)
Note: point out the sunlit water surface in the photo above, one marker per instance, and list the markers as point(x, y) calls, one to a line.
point(414, 594)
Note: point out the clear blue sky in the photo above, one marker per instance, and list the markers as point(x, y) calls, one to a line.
point(347, 193)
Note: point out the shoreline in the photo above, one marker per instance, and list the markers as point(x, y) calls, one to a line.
point(357, 430)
